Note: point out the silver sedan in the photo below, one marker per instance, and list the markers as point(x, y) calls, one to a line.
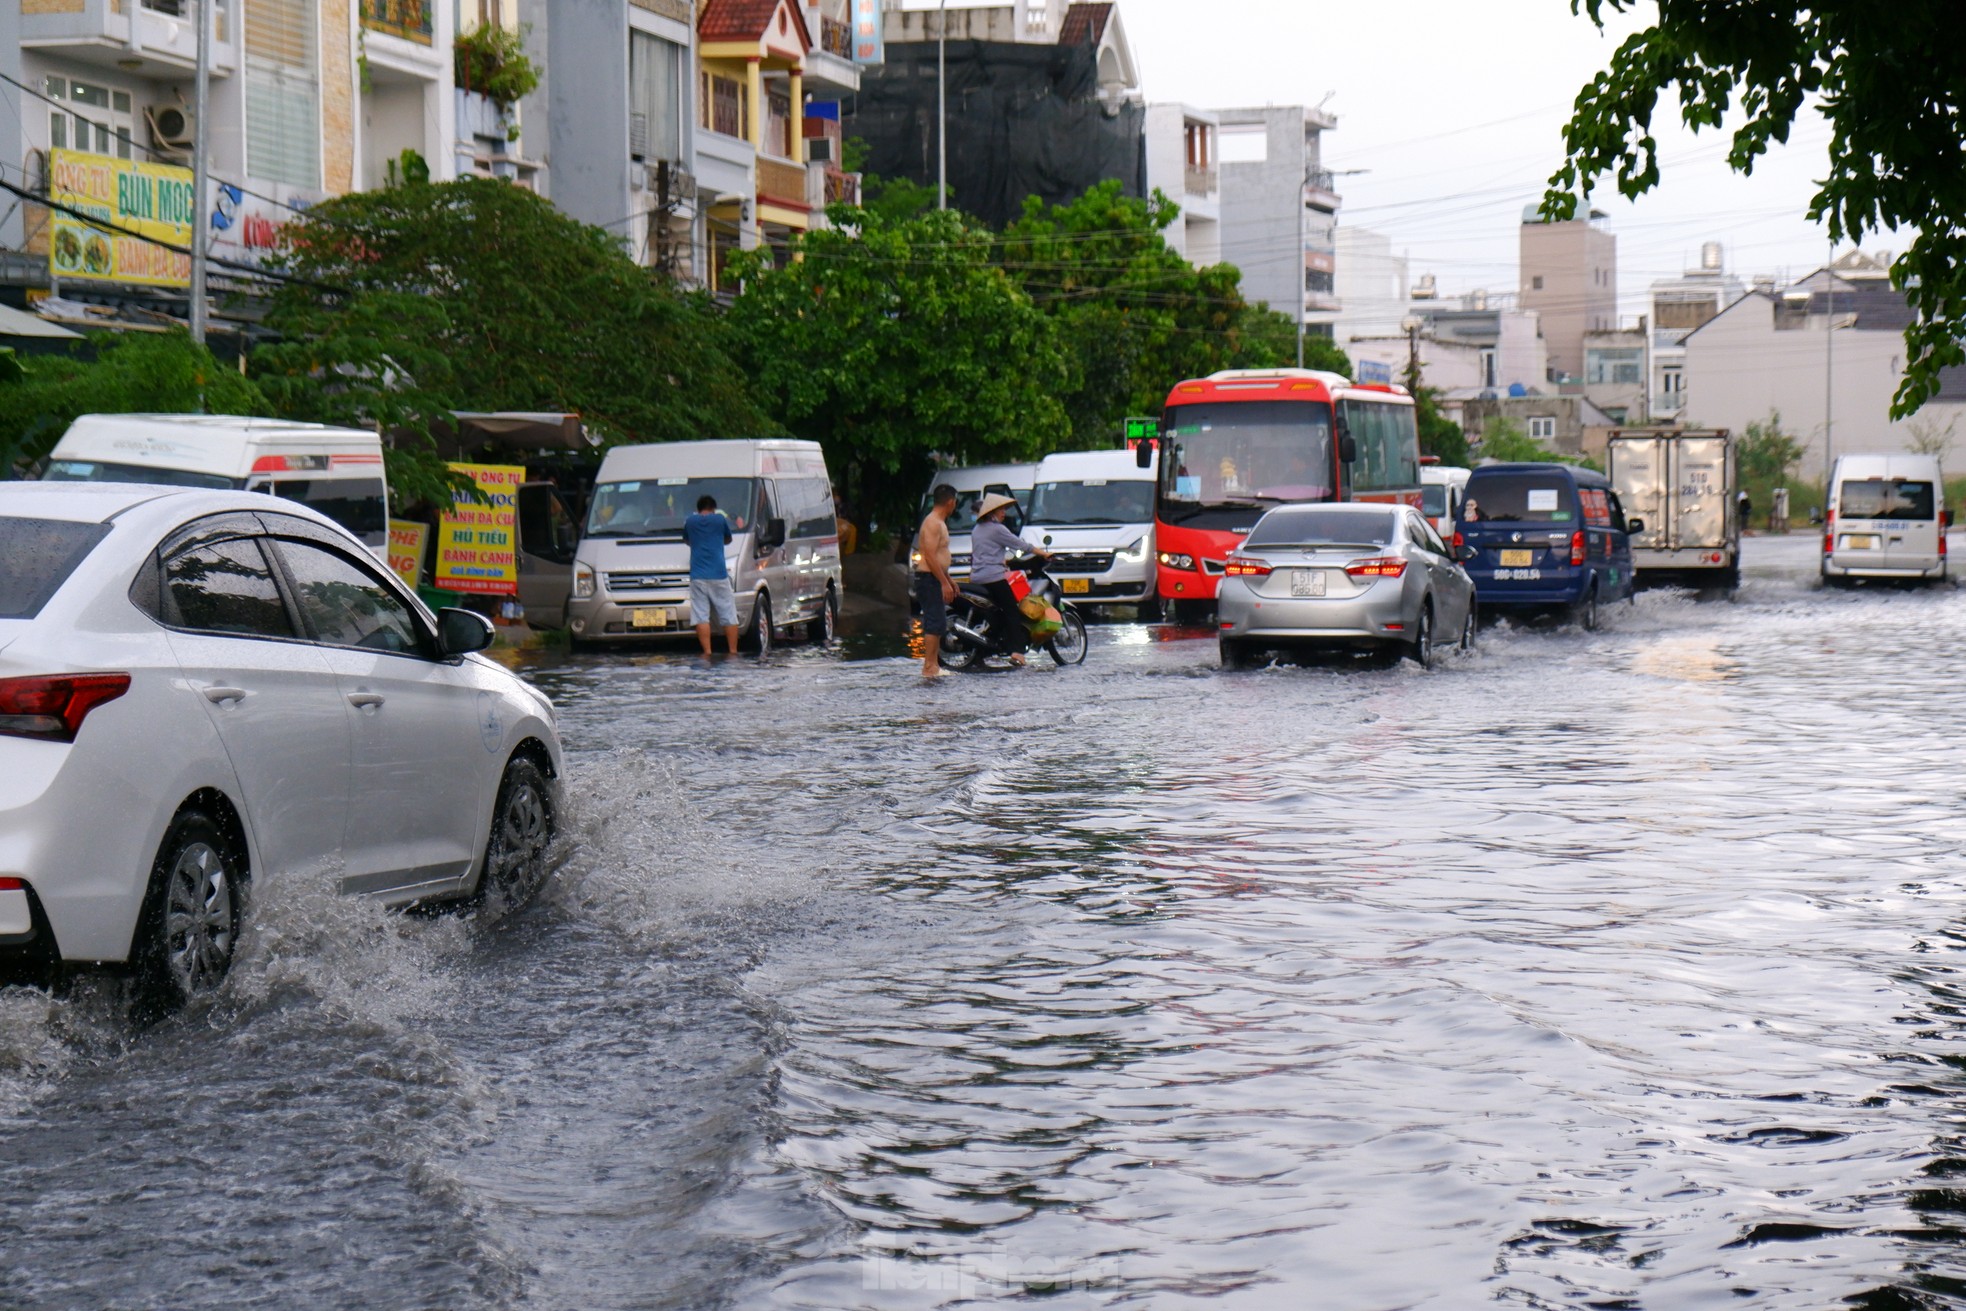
point(1344, 575)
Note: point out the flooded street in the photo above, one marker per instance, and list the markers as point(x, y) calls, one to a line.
point(1611, 970)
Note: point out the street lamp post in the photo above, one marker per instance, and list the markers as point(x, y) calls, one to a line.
point(942, 106)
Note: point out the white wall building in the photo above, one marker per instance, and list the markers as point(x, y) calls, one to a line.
point(1182, 165)
point(1830, 348)
point(1371, 285)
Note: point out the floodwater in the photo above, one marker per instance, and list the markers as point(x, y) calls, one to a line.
point(1595, 970)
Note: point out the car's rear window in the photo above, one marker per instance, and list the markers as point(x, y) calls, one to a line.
point(1879, 498)
point(40, 555)
point(1519, 498)
point(1322, 526)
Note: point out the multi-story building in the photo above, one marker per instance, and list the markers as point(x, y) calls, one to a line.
point(1372, 286)
point(1027, 22)
point(1680, 305)
point(1570, 278)
point(697, 131)
point(1181, 165)
point(1280, 210)
point(1614, 373)
point(1466, 347)
point(307, 99)
point(1827, 354)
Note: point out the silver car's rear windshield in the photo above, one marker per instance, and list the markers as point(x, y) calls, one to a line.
point(40, 555)
point(1323, 526)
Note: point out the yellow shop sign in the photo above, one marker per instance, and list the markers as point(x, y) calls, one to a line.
point(146, 200)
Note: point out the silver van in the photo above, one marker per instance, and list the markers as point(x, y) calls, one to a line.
point(1887, 518)
point(631, 569)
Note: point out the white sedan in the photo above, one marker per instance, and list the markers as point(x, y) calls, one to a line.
point(199, 686)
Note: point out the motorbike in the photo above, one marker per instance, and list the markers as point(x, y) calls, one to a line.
point(970, 639)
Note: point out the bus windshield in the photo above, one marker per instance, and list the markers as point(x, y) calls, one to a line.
point(1246, 452)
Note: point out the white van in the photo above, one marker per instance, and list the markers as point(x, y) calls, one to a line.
point(1886, 518)
point(1442, 487)
point(1094, 511)
point(972, 485)
point(337, 471)
point(631, 570)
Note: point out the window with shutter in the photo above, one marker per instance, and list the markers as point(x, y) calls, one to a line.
point(283, 93)
point(654, 98)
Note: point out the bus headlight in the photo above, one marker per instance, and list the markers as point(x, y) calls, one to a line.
point(1136, 553)
point(1175, 560)
point(583, 581)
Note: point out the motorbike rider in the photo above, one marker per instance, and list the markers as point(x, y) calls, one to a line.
point(989, 542)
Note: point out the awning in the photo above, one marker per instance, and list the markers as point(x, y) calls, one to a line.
point(19, 323)
point(511, 430)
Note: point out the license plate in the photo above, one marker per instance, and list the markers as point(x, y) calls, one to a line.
point(1518, 575)
point(1859, 542)
point(1517, 559)
point(648, 618)
point(1307, 582)
point(1076, 585)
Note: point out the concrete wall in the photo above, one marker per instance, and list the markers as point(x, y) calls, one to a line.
point(1261, 208)
point(1371, 283)
point(1577, 263)
point(1739, 367)
point(587, 107)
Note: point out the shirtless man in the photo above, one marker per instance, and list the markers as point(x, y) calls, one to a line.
point(933, 587)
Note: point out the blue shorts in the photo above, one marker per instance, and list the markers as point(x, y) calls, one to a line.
point(935, 612)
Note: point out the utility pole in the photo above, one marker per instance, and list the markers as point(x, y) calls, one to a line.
point(1829, 365)
point(200, 170)
point(942, 106)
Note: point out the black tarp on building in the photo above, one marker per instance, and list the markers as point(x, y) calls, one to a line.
point(1024, 120)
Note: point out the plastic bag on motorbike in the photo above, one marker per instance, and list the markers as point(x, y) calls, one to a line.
point(1033, 608)
point(1047, 626)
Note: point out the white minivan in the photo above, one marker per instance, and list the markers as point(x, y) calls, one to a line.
point(631, 569)
point(972, 484)
point(1886, 518)
point(1442, 487)
point(1094, 511)
point(337, 471)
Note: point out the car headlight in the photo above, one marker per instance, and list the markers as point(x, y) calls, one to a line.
point(1132, 554)
point(915, 561)
point(1175, 560)
point(583, 581)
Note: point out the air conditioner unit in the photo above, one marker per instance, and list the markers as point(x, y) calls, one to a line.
point(820, 150)
point(172, 128)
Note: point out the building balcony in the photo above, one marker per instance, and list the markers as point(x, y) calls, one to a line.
point(159, 35)
point(724, 167)
point(829, 68)
point(839, 187)
point(1322, 302)
point(781, 182)
point(409, 19)
point(1200, 181)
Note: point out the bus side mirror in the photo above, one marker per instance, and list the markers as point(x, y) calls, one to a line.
point(1143, 453)
point(1347, 448)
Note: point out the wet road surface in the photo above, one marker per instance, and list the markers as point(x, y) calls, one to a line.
point(1609, 970)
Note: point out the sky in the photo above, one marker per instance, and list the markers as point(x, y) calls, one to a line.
point(1455, 109)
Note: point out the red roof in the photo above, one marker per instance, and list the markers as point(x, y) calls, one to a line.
point(748, 20)
point(1085, 24)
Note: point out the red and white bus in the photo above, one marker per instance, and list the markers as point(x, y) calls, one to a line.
point(1234, 444)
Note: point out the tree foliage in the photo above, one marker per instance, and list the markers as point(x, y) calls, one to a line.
point(890, 340)
point(1766, 452)
point(1132, 314)
point(1892, 85)
point(479, 295)
point(133, 372)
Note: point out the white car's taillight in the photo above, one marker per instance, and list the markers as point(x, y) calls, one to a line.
point(583, 581)
point(52, 707)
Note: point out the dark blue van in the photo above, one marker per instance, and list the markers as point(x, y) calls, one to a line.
point(1546, 537)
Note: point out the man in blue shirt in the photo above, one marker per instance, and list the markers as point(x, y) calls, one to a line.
point(707, 533)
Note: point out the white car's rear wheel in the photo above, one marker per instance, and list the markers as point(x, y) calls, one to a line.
point(190, 927)
point(521, 832)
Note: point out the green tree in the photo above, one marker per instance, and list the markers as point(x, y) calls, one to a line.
point(1507, 440)
point(892, 341)
point(479, 295)
point(1890, 86)
point(1440, 436)
point(1766, 453)
point(1132, 314)
point(150, 372)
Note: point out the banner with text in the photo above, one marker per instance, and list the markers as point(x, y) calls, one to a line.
point(152, 200)
point(406, 543)
point(476, 542)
